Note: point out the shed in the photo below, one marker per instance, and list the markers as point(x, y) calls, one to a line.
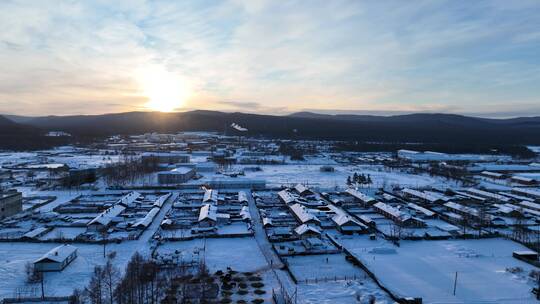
point(57, 259)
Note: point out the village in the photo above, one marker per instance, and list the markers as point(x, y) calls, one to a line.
point(228, 219)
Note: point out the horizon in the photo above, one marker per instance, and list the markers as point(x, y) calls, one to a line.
point(499, 116)
point(475, 59)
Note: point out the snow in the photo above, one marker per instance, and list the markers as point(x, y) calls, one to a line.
point(310, 175)
point(241, 254)
point(343, 292)
point(323, 266)
point(427, 269)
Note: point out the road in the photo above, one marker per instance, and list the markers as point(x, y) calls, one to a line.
point(266, 248)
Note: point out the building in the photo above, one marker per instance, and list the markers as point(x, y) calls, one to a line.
point(209, 216)
point(361, 197)
point(525, 181)
point(10, 203)
point(57, 259)
point(305, 231)
point(178, 175)
point(164, 158)
point(397, 216)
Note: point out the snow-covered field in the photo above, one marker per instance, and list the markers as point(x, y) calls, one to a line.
point(343, 292)
point(278, 175)
point(241, 254)
point(323, 267)
point(14, 256)
point(427, 269)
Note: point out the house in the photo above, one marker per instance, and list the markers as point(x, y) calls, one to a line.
point(302, 190)
point(178, 175)
point(303, 216)
point(528, 192)
point(305, 231)
point(359, 196)
point(267, 222)
point(245, 214)
point(286, 197)
point(493, 175)
point(105, 219)
point(57, 259)
point(488, 195)
point(210, 196)
point(525, 181)
point(348, 225)
point(428, 197)
point(242, 197)
point(397, 216)
point(164, 158)
point(147, 219)
point(423, 212)
point(10, 203)
point(209, 216)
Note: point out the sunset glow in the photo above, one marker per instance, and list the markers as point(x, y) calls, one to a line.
point(166, 92)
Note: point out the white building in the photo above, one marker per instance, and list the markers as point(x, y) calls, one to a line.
point(57, 259)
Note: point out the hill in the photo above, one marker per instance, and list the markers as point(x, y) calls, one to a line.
point(15, 136)
point(425, 128)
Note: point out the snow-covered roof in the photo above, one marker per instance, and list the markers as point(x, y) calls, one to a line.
point(208, 212)
point(461, 208)
point(492, 174)
point(242, 197)
point(267, 221)
point(344, 219)
point(106, 217)
point(302, 214)
point(527, 191)
point(523, 179)
point(301, 188)
point(210, 195)
point(129, 198)
point(35, 232)
point(487, 194)
point(244, 213)
point(304, 228)
point(518, 197)
point(531, 205)
point(465, 194)
point(286, 196)
point(161, 200)
point(428, 196)
point(147, 219)
point(58, 254)
point(359, 195)
point(421, 209)
point(388, 209)
point(178, 170)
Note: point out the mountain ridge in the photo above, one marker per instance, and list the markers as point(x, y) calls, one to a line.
point(418, 127)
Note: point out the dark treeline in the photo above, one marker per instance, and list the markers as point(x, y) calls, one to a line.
point(426, 128)
point(25, 142)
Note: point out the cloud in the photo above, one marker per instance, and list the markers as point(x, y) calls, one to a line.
point(65, 57)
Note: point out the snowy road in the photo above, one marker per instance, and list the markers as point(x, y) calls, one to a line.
point(266, 248)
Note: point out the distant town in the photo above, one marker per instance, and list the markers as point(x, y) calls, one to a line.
point(203, 217)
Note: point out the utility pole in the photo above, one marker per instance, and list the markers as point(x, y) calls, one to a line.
point(41, 279)
point(455, 283)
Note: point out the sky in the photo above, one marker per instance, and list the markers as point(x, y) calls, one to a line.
point(274, 57)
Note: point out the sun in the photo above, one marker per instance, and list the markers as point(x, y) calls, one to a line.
point(165, 91)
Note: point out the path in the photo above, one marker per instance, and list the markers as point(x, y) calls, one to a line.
point(266, 248)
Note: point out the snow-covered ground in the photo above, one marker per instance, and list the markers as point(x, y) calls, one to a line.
point(343, 292)
point(427, 269)
point(278, 175)
point(323, 267)
point(241, 254)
